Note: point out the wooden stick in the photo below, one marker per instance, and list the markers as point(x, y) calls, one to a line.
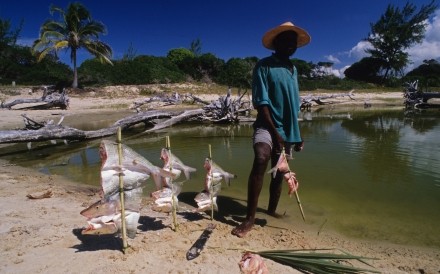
point(211, 185)
point(296, 195)
point(121, 193)
point(173, 204)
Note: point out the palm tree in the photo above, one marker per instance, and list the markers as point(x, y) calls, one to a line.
point(75, 30)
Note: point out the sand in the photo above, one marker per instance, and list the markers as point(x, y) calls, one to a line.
point(42, 235)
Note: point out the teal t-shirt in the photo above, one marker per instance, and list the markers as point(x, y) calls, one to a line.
point(274, 85)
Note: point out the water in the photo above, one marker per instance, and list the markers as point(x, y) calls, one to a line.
point(368, 174)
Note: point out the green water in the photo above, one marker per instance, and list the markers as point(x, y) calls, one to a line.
point(367, 174)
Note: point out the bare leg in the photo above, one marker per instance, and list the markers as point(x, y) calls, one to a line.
point(275, 194)
point(276, 185)
point(255, 183)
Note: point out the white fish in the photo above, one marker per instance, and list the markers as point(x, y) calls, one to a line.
point(207, 198)
point(112, 224)
point(165, 198)
point(171, 161)
point(211, 167)
point(135, 168)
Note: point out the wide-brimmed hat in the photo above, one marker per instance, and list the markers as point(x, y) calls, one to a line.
point(303, 36)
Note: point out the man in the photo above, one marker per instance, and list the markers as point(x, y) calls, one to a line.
point(275, 95)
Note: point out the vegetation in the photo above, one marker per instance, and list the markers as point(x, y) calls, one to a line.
point(395, 31)
point(76, 30)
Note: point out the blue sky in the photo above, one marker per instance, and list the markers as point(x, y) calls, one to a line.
point(228, 28)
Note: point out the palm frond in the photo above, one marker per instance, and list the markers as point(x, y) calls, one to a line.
point(317, 261)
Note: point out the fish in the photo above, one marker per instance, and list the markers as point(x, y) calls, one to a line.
point(111, 205)
point(165, 198)
point(211, 167)
point(166, 181)
point(207, 198)
point(289, 176)
point(282, 165)
point(171, 161)
point(252, 263)
point(104, 216)
point(200, 243)
point(292, 182)
point(112, 224)
point(135, 168)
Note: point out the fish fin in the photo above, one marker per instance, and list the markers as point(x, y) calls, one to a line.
point(273, 171)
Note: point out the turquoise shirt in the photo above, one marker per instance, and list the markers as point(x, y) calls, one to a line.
point(274, 85)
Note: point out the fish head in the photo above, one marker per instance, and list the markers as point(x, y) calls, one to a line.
point(100, 208)
point(165, 155)
point(208, 164)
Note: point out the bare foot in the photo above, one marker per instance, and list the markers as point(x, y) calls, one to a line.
point(242, 229)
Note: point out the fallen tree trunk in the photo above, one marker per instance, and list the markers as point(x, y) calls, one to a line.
point(50, 131)
point(49, 98)
point(306, 101)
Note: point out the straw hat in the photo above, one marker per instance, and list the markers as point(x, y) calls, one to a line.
point(303, 36)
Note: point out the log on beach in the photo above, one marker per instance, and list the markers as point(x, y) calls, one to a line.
point(49, 100)
point(49, 131)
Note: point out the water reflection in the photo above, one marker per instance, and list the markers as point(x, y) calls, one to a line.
point(370, 174)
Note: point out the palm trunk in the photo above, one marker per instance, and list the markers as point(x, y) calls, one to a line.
point(75, 71)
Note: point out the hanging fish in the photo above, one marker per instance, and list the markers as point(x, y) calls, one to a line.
point(211, 167)
point(171, 160)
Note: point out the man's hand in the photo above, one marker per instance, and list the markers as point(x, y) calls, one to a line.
point(298, 146)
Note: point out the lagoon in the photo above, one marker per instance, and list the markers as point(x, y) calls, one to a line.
point(369, 174)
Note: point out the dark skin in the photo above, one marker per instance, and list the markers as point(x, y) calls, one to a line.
point(285, 45)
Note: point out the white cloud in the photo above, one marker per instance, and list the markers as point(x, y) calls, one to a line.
point(332, 59)
point(358, 51)
point(430, 46)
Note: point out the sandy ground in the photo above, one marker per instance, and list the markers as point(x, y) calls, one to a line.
point(41, 235)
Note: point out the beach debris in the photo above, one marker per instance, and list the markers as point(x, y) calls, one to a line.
point(40, 195)
point(307, 101)
point(315, 260)
point(251, 263)
point(200, 243)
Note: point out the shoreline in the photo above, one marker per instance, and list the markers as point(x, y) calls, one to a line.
point(40, 235)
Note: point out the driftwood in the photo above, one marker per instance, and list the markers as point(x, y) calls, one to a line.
point(50, 98)
point(307, 101)
point(49, 131)
point(166, 100)
point(225, 109)
point(414, 98)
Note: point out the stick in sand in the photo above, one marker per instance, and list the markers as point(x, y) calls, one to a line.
point(173, 205)
point(296, 194)
point(121, 193)
point(211, 189)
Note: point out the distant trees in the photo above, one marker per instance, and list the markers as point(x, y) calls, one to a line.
point(19, 65)
point(427, 73)
point(76, 30)
point(395, 31)
point(366, 70)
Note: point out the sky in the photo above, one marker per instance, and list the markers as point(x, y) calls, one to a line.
point(228, 28)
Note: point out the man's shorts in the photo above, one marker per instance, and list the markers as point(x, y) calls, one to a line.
point(262, 135)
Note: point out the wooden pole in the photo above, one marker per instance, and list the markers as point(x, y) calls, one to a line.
point(211, 185)
point(296, 194)
point(121, 193)
point(173, 204)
